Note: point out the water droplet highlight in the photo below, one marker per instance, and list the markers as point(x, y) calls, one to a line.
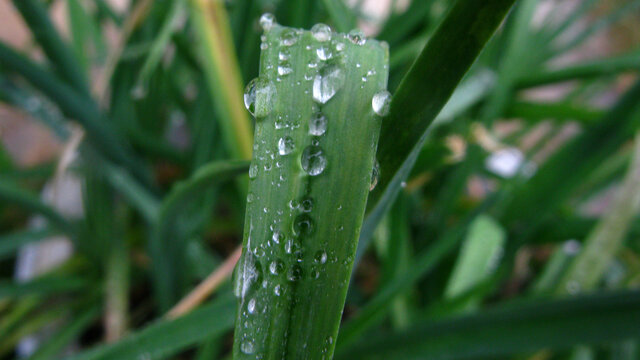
point(267, 20)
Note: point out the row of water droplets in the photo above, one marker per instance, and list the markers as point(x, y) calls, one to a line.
point(326, 73)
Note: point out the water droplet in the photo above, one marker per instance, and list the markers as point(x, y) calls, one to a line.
point(313, 160)
point(277, 237)
point(285, 145)
point(267, 20)
point(317, 124)
point(283, 55)
point(277, 290)
point(324, 53)
point(284, 69)
point(327, 83)
point(321, 32)
point(249, 274)
point(258, 97)
point(357, 37)
point(276, 267)
point(320, 257)
point(293, 204)
point(250, 197)
point(306, 205)
point(340, 46)
point(294, 273)
point(288, 37)
point(303, 225)
point(375, 175)
point(251, 306)
point(381, 102)
point(247, 347)
point(253, 171)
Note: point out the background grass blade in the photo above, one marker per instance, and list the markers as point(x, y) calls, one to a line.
point(511, 330)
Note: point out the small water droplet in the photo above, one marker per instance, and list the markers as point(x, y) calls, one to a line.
point(375, 175)
point(285, 145)
point(253, 171)
point(303, 225)
point(258, 97)
point(293, 204)
point(288, 37)
point(327, 83)
point(324, 53)
point(277, 290)
point(250, 197)
point(267, 20)
point(247, 347)
point(276, 267)
point(283, 55)
point(313, 160)
point(306, 205)
point(277, 237)
point(284, 70)
point(321, 32)
point(294, 273)
point(381, 103)
point(340, 46)
point(320, 257)
point(251, 306)
point(357, 37)
point(317, 124)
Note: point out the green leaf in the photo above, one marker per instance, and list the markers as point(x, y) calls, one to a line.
point(316, 134)
point(165, 338)
point(42, 286)
point(510, 330)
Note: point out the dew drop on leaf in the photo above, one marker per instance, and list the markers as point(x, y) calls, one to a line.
point(321, 32)
point(327, 83)
point(285, 145)
point(267, 20)
point(357, 37)
point(381, 103)
point(313, 160)
point(317, 124)
point(375, 175)
point(258, 97)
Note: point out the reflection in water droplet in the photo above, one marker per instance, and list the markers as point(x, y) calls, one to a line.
point(321, 32)
point(381, 102)
point(306, 205)
point(324, 53)
point(320, 257)
point(288, 37)
point(251, 306)
point(317, 124)
point(285, 145)
point(276, 267)
point(313, 160)
point(327, 83)
point(357, 37)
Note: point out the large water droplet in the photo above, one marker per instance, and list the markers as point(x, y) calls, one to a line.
point(247, 347)
point(317, 124)
point(303, 225)
point(258, 97)
point(249, 275)
point(375, 175)
point(284, 69)
point(285, 145)
point(267, 20)
point(327, 83)
point(321, 32)
point(313, 160)
point(381, 102)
